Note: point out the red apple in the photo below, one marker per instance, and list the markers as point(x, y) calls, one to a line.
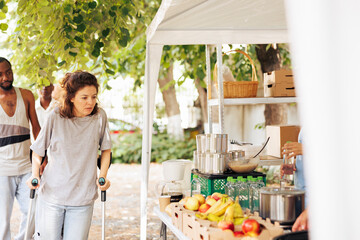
point(204, 207)
point(251, 227)
point(226, 225)
point(216, 196)
point(200, 197)
point(192, 204)
point(239, 234)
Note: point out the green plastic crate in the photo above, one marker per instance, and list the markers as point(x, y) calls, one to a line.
point(211, 183)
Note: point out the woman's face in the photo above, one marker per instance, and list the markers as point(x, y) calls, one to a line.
point(84, 101)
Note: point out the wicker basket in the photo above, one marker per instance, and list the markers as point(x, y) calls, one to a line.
point(239, 89)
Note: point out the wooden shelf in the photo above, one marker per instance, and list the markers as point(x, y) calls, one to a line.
point(270, 161)
point(256, 100)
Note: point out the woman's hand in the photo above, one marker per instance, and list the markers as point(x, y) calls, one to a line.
point(29, 182)
point(292, 149)
point(105, 186)
point(301, 222)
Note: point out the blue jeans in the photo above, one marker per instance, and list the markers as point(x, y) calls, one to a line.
point(12, 187)
point(50, 218)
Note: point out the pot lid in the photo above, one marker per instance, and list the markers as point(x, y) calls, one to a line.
point(281, 191)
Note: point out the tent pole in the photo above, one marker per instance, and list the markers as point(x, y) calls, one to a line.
point(208, 77)
point(220, 86)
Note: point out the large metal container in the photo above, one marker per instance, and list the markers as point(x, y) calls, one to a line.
point(219, 162)
point(218, 143)
point(283, 205)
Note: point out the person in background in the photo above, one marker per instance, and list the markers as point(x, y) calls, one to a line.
point(72, 134)
point(57, 93)
point(17, 110)
point(295, 149)
point(44, 104)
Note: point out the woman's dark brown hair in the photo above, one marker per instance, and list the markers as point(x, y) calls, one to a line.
point(71, 83)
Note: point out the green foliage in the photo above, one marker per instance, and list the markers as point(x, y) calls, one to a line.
point(68, 35)
point(127, 148)
point(3, 11)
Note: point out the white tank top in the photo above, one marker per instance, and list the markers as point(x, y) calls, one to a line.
point(15, 140)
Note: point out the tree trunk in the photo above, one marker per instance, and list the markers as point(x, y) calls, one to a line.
point(172, 108)
point(202, 102)
point(275, 114)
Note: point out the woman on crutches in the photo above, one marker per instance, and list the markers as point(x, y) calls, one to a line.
point(72, 135)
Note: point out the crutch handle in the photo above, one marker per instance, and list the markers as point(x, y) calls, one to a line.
point(103, 193)
point(34, 182)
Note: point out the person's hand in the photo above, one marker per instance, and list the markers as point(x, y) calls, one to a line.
point(43, 165)
point(292, 149)
point(28, 182)
point(301, 222)
point(105, 186)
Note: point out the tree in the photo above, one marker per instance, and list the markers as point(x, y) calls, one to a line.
point(68, 35)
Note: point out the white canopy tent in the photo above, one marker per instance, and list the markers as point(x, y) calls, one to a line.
point(216, 22)
point(209, 22)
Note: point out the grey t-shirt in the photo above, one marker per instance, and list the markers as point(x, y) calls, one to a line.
point(70, 177)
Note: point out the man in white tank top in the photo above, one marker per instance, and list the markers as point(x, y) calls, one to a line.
point(16, 110)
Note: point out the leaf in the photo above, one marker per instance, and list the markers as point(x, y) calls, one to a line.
point(99, 44)
point(106, 32)
point(67, 8)
point(81, 28)
point(72, 54)
point(79, 39)
point(61, 63)
point(114, 8)
point(92, 4)
point(78, 19)
point(43, 63)
point(96, 52)
point(123, 41)
point(111, 72)
point(3, 26)
point(111, 13)
point(42, 73)
point(2, 15)
point(2, 4)
point(45, 10)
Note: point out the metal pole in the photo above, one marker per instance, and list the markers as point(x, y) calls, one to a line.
point(208, 76)
point(220, 84)
point(103, 200)
point(28, 236)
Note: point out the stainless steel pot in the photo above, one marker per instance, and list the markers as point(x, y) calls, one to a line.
point(218, 143)
point(283, 205)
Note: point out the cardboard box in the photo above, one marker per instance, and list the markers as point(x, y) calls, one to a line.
point(279, 83)
point(279, 135)
point(177, 210)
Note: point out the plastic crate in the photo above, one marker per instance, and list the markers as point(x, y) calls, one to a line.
point(211, 183)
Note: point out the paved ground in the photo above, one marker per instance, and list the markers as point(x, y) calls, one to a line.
point(122, 205)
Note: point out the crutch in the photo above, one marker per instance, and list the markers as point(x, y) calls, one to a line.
point(103, 200)
point(34, 182)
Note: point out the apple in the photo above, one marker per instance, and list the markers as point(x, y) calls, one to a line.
point(183, 201)
point(251, 227)
point(192, 204)
point(200, 197)
point(207, 198)
point(216, 196)
point(204, 207)
point(226, 225)
point(239, 234)
point(210, 201)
